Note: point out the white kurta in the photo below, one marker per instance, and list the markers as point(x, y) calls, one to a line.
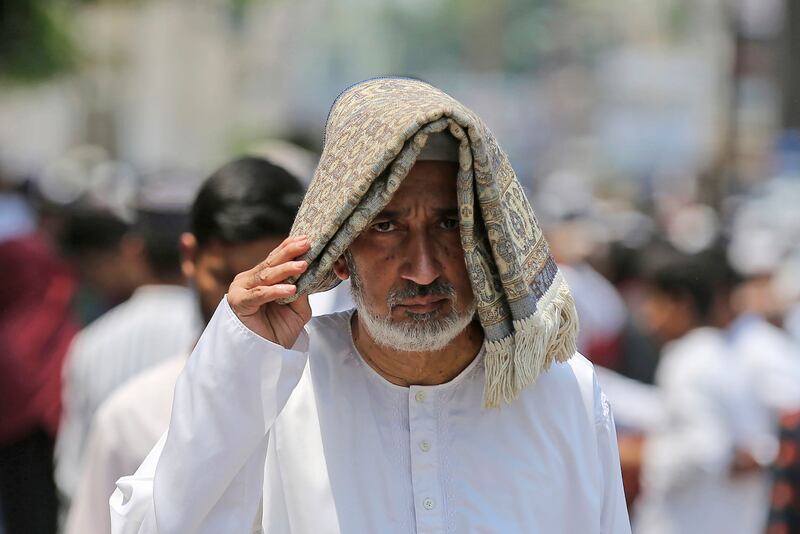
point(128, 424)
point(771, 359)
point(345, 451)
point(688, 487)
point(157, 322)
point(124, 430)
point(638, 407)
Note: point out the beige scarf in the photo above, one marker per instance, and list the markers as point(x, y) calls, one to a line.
point(375, 132)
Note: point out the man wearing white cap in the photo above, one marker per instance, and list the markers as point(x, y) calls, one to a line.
point(450, 400)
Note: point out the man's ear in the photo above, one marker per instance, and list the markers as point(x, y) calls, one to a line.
point(188, 248)
point(340, 268)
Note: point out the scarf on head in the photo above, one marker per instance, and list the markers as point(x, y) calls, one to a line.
point(375, 132)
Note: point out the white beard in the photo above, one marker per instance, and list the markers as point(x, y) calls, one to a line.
point(418, 333)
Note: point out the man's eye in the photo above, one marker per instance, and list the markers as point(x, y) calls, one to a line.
point(450, 224)
point(383, 226)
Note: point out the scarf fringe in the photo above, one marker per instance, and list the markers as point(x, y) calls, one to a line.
point(517, 360)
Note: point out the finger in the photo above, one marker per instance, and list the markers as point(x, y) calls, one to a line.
point(256, 275)
point(292, 250)
point(271, 259)
point(258, 296)
point(275, 275)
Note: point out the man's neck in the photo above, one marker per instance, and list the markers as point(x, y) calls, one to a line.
point(419, 368)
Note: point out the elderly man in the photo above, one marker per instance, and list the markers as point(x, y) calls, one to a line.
point(449, 401)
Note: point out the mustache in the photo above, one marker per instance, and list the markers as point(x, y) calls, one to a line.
point(438, 288)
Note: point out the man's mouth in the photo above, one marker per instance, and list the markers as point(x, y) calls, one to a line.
point(422, 304)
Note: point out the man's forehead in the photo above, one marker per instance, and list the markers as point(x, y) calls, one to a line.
point(429, 184)
point(401, 211)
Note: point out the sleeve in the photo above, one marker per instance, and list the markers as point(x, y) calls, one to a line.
point(206, 473)
point(74, 427)
point(614, 515)
point(88, 513)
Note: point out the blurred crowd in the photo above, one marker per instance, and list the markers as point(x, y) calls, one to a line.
point(101, 302)
point(690, 314)
point(654, 137)
point(694, 337)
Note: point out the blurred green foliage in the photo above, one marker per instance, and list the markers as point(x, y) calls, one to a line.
point(35, 43)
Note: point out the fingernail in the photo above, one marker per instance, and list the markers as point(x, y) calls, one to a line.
point(299, 264)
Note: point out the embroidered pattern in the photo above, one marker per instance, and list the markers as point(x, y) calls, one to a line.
point(375, 131)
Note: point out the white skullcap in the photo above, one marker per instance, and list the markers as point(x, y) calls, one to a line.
point(440, 146)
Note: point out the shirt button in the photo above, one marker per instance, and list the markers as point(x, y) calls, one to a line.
point(429, 504)
point(424, 445)
point(420, 396)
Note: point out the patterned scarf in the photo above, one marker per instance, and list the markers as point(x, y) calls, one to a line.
point(374, 134)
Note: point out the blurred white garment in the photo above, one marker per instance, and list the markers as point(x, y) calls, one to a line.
point(155, 323)
point(601, 310)
point(687, 485)
point(792, 322)
point(129, 423)
point(344, 450)
point(638, 407)
point(331, 301)
point(125, 428)
point(771, 360)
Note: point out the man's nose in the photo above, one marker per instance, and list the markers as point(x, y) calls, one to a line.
point(421, 265)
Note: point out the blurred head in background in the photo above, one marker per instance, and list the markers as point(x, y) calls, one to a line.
point(106, 254)
point(159, 231)
point(759, 294)
point(684, 292)
point(244, 210)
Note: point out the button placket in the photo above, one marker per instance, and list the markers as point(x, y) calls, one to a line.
point(425, 475)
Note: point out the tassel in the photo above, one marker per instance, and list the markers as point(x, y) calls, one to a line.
point(515, 362)
point(499, 371)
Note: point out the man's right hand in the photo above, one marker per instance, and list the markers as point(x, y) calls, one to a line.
point(253, 293)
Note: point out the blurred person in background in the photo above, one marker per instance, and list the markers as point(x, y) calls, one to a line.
point(792, 321)
point(106, 255)
point(601, 310)
point(784, 515)
point(609, 340)
point(703, 465)
point(157, 321)
point(769, 354)
point(36, 327)
point(244, 209)
point(640, 348)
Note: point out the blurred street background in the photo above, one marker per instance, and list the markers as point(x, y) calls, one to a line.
point(658, 141)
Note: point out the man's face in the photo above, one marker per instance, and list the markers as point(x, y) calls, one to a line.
point(114, 273)
point(410, 276)
point(667, 316)
point(212, 268)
